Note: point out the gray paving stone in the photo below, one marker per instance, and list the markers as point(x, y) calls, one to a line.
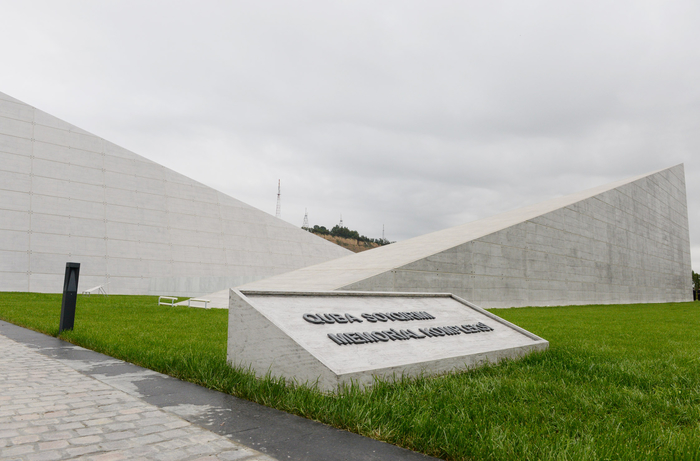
point(77, 451)
point(127, 417)
point(59, 435)
point(147, 439)
point(49, 411)
point(16, 450)
point(22, 439)
point(111, 456)
point(89, 431)
point(85, 440)
point(62, 427)
point(116, 445)
point(120, 435)
point(35, 430)
point(235, 455)
point(55, 445)
point(45, 456)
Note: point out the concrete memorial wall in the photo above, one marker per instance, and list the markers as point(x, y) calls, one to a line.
point(624, 242)
point(135, 226)
point(331, 338)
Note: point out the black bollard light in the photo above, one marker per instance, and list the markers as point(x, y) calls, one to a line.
point(70, 296)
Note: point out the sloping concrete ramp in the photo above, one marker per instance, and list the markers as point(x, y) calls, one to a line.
point(135, 226)
point(623, 242)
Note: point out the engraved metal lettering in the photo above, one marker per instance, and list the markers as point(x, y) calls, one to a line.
point(351, 318)
point(326, 318)
point(339, 318)
point(357, 339)
point(312, 318)
point(367, 337)
point(391, 334)
point(339, 339)
point(413, 335)
point(399, 334)
point(369, 318)
point(380, 336)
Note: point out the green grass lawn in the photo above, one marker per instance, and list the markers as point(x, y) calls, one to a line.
point(618, 382)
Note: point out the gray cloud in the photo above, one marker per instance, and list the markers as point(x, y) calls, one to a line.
point(412, 115)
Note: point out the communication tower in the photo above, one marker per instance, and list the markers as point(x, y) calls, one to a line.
point(306, 220)
point(383, 232)
point(278, 213)
point(340, 224)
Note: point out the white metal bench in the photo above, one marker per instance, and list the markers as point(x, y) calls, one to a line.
point(197, 300)
point(166, 301)
point(99, 289)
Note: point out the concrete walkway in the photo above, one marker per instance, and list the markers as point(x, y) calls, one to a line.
point(60, 401)
point(49, 411)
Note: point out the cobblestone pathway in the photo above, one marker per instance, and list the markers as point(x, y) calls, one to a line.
point(49, 411)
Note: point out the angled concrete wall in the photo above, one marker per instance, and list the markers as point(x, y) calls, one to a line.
point(67, 195)
point(624, 242)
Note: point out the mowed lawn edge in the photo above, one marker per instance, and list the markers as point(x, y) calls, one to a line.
point(618, 382)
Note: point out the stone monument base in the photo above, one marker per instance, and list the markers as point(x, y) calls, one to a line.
point(333, 338)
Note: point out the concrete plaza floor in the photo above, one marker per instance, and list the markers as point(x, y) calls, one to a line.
point(59, 401)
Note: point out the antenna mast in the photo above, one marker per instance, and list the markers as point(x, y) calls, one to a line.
point(306, 220)
point(383, 232)
point(341, 221)
point(279, 199)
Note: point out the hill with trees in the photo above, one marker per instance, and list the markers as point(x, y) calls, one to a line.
point(350, 239)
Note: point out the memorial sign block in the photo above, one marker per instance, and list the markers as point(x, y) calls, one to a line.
point(338, 337)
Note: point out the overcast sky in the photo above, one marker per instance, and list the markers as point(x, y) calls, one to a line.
point(413, 115)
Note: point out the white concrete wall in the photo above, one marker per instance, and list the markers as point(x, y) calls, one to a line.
point(67, 195)
point(626, 245)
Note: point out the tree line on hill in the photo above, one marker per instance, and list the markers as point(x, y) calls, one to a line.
point(344, 232)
